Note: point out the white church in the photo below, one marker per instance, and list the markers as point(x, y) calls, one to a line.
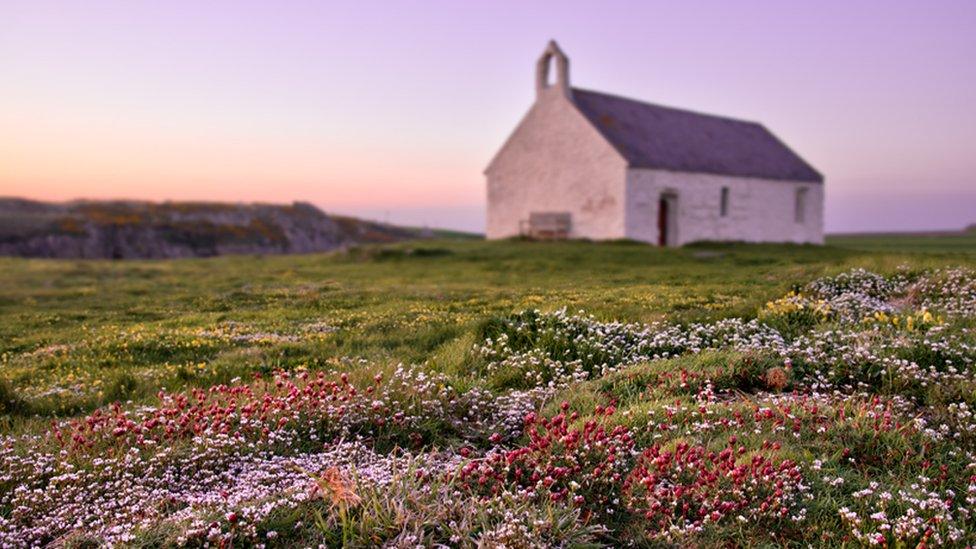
point(585, 164)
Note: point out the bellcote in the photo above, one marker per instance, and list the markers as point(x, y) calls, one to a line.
point(542, 72)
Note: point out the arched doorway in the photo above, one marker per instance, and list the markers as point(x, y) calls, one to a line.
point(667, 213)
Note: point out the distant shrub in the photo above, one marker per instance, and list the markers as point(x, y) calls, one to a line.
point(10, 402)
point(394, 254)
point(121, 388)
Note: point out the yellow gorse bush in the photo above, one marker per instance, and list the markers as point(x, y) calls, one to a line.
point(795, 302)
point(918, 320)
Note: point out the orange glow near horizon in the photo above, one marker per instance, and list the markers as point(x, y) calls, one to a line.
point(61, 162)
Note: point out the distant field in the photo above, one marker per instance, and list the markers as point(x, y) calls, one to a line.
point(962, 242)
point(434, 393)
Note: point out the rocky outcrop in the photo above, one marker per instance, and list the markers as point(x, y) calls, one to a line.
point(143, 230)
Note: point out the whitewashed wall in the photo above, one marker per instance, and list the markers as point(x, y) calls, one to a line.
point(760, 210)
point(556, 161)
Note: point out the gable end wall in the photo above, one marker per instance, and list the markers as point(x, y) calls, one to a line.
point(556, 161)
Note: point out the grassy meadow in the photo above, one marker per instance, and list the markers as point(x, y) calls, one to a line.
point(75, 335)
point(754, 366)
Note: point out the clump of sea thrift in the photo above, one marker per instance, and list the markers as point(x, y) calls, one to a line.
point(679, 491)
point(561, 462)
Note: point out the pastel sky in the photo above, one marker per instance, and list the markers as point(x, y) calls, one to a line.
point(391, 110)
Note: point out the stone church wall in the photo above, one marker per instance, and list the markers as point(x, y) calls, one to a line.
point(759, 210)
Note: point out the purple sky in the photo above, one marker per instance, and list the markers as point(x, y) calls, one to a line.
point(392, 109)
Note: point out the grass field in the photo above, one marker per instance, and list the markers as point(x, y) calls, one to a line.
point(408, 394)
point(75, 335)
point(941, 243)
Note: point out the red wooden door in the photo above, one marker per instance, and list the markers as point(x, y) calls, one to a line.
point(662, 222)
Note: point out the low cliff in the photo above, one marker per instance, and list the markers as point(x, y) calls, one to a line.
point(128, 229)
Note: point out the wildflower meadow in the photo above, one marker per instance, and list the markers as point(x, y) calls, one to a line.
point(476, 394)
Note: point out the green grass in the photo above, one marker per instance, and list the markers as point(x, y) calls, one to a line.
point(78, 334)
point(962, 243)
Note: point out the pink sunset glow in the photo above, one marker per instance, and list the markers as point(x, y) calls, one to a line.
point(391, 110)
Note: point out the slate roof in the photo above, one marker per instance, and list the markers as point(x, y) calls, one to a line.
point(652, 136)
